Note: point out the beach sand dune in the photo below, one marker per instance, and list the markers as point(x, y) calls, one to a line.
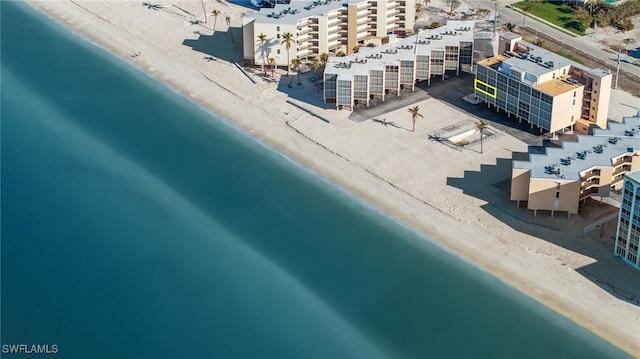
point(456, 196)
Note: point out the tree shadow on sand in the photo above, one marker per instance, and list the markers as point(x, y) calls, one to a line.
point(492, 184)
point(210, 45)
point(387, 123)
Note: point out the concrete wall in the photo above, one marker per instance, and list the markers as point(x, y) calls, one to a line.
point(520, 185)
point(352, 23)
point(273, 44)
point(542, 195)
point(506, 44)
point(564, 107)
point(600, 99)
point(248, 37)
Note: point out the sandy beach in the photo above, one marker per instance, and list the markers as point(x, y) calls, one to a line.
point(457, 196)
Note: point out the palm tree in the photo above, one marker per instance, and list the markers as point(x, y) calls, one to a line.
point(228, 20)
point(204, 11)
point(480, 127)
point(454, 4)
point(356, 49)
point(263, 38)
point(324, 58)
point(272, 62)
point(295, 65)
point(287, 39)
point(415, 113)
point(215, 14)
point(510, 26)
point(315, 64)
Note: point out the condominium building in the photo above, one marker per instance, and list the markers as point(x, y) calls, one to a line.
point(384, 70)
point(546, 90)
point(322, 26)
point(593, 165)
point(628, 232)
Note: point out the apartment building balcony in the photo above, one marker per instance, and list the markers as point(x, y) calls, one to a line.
point(590, 174)
point(304, 31)
point(622, 160)
point(589, 192)
point(590, 183)
point(617, 179)
point(621, 170)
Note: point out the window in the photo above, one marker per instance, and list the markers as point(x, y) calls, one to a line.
point(558, 186)
point(554, 75)
point(278, 28)
point(277, 36)
point(557, 194)
point(278, 51)
point(574, 93)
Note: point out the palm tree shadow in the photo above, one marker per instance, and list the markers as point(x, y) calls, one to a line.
point(387, 123)
point(151, 6)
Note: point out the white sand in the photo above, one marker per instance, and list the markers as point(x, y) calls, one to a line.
point(418, 181)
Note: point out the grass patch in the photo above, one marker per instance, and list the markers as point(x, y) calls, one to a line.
point(557, 14)
point(568, 56)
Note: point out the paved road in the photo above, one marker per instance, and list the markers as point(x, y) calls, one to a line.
point(584, 43)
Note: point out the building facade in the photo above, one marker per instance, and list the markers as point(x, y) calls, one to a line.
point(322, 26)
point(592, 165)
point(385, 70)
point(628, 232)
point(546, 90)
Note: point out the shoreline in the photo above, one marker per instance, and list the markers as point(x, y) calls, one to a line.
point(265, 116)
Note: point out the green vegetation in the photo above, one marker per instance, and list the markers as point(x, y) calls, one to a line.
point(557, 14)
point(568, 56)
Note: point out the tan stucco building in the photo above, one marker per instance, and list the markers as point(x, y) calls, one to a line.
point(322, 26)
point(593, 165)
point(546, 90)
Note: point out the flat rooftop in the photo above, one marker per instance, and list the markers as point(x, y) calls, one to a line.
point(290, 14)
point(538, 61)
point(635, 175)
point(423, 43)
point(559, 85)
point(586, 152)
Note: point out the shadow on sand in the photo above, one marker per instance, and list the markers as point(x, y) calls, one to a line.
point(492, 184)
point(211, 45)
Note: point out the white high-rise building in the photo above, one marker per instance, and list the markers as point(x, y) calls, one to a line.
point(628, 232)
point(322, 26)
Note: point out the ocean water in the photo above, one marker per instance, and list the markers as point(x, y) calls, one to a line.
point(137, 225)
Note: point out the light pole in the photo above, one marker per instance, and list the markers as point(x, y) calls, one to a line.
point(617, 71)
point(495, 19)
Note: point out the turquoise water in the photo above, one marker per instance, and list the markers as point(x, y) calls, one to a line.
point(135, 224)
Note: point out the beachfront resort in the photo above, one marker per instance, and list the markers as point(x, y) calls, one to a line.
point(400, 64)
point(322, 26)
point(589, 166)
point(548, 91)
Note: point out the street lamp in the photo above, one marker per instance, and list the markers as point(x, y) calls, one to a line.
point(495, 19)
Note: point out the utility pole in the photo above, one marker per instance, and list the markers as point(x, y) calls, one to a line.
point(495, 19)
point(617, 71)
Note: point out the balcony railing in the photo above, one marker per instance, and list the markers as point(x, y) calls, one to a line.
point(621, 161)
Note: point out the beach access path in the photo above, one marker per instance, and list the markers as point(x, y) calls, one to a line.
point(454, 196)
